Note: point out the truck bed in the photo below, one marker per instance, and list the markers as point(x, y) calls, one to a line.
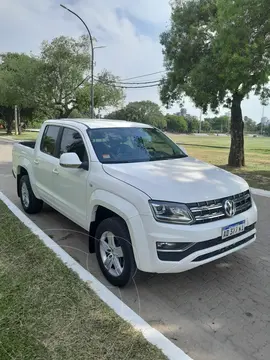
point(30, 144)
point(22, 151)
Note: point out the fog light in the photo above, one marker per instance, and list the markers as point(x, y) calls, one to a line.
point(173, 246)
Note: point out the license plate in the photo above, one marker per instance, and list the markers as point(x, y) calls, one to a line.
point(233, 229)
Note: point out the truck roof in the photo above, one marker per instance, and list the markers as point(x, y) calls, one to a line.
point(100, 123)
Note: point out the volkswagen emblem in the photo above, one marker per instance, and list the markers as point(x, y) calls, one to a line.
point(229, 208)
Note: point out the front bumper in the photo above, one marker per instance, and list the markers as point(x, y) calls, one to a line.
point(208, 244)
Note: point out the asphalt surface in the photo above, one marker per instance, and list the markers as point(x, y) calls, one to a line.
point(219, 311)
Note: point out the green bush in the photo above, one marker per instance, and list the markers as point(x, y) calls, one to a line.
point(157, 121)
point(35, 124)
point(75, 114)
point(176, 123)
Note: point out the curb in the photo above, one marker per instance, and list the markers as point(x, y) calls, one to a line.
point(151, 335)
point(260, 192)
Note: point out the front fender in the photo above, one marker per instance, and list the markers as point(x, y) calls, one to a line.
point(112, 202)
point(126, 211)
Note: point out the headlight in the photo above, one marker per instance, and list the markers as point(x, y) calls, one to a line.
point(171, 212)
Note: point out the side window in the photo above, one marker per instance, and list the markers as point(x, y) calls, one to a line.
point(73, 142)
point(48, 142)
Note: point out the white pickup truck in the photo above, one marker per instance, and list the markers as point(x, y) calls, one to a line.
point(146, 204)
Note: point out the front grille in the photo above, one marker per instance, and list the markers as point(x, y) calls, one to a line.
point(212, 210)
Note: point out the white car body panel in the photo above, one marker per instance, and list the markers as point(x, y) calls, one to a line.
point(126, 190)
point(181, 180)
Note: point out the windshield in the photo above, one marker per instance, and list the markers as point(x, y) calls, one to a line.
point(132, 144)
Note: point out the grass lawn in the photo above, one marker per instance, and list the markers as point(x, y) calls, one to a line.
point(24, 136)
point(47, 312)
point(215, 150)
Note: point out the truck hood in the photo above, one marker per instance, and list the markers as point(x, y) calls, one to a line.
point(180, 180)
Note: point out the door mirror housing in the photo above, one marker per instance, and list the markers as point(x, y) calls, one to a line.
point(70, 160)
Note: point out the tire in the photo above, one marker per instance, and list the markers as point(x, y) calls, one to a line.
point(121, 239)
point(30, 203)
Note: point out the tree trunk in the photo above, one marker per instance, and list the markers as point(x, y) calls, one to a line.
point(19, 121)
point(237, 155)
point(9, 123)
point(64, 113)
point(67, 112)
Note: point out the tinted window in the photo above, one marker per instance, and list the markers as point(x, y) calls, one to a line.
point(48, 143)
point(73, 142)
point(131, 144)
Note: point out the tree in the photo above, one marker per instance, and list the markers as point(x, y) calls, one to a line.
point(267, 130)
point(206, 126)
point(249, 125)
point(219, 123)
point(106, 94)
point(146, 112)
point(217, 52)
point(192, 123)
point(176, 123)
point(65, 63)
point(53, 84)
point(18, 85)
point(119, 114)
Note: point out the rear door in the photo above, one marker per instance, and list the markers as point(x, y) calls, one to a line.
point(45, 161)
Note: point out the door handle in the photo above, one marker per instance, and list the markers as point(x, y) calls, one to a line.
point(55, 171)
point(36, 162)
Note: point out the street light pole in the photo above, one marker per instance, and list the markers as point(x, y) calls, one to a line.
point(91, 62)
point(200, 126)
point(16, 119)
point(262, 120)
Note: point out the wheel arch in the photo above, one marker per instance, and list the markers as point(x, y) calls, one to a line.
point(25, 168)
point(104, 205)
point(21, 171)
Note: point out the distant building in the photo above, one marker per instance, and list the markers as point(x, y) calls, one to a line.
point(264, 120)
point(182, 112)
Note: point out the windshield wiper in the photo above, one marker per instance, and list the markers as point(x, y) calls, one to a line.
point(179, 156)
point(118, 162)
point(172, 157)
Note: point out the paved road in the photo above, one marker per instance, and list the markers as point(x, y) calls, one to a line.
point(219, 311)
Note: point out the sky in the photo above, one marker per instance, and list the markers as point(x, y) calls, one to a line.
point(129, 29)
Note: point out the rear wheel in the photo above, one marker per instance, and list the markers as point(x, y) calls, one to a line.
point(114, 251)
point(30, 203)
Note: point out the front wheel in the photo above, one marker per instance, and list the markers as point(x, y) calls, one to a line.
point(114, 251)
point(30, 203)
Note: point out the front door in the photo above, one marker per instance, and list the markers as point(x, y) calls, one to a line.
point(70, 185)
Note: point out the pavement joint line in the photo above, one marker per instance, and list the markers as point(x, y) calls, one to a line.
point(152, 335)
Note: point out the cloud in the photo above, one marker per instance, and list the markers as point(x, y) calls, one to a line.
point(129, 29)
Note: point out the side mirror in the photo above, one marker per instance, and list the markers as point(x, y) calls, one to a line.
point(70, 160)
